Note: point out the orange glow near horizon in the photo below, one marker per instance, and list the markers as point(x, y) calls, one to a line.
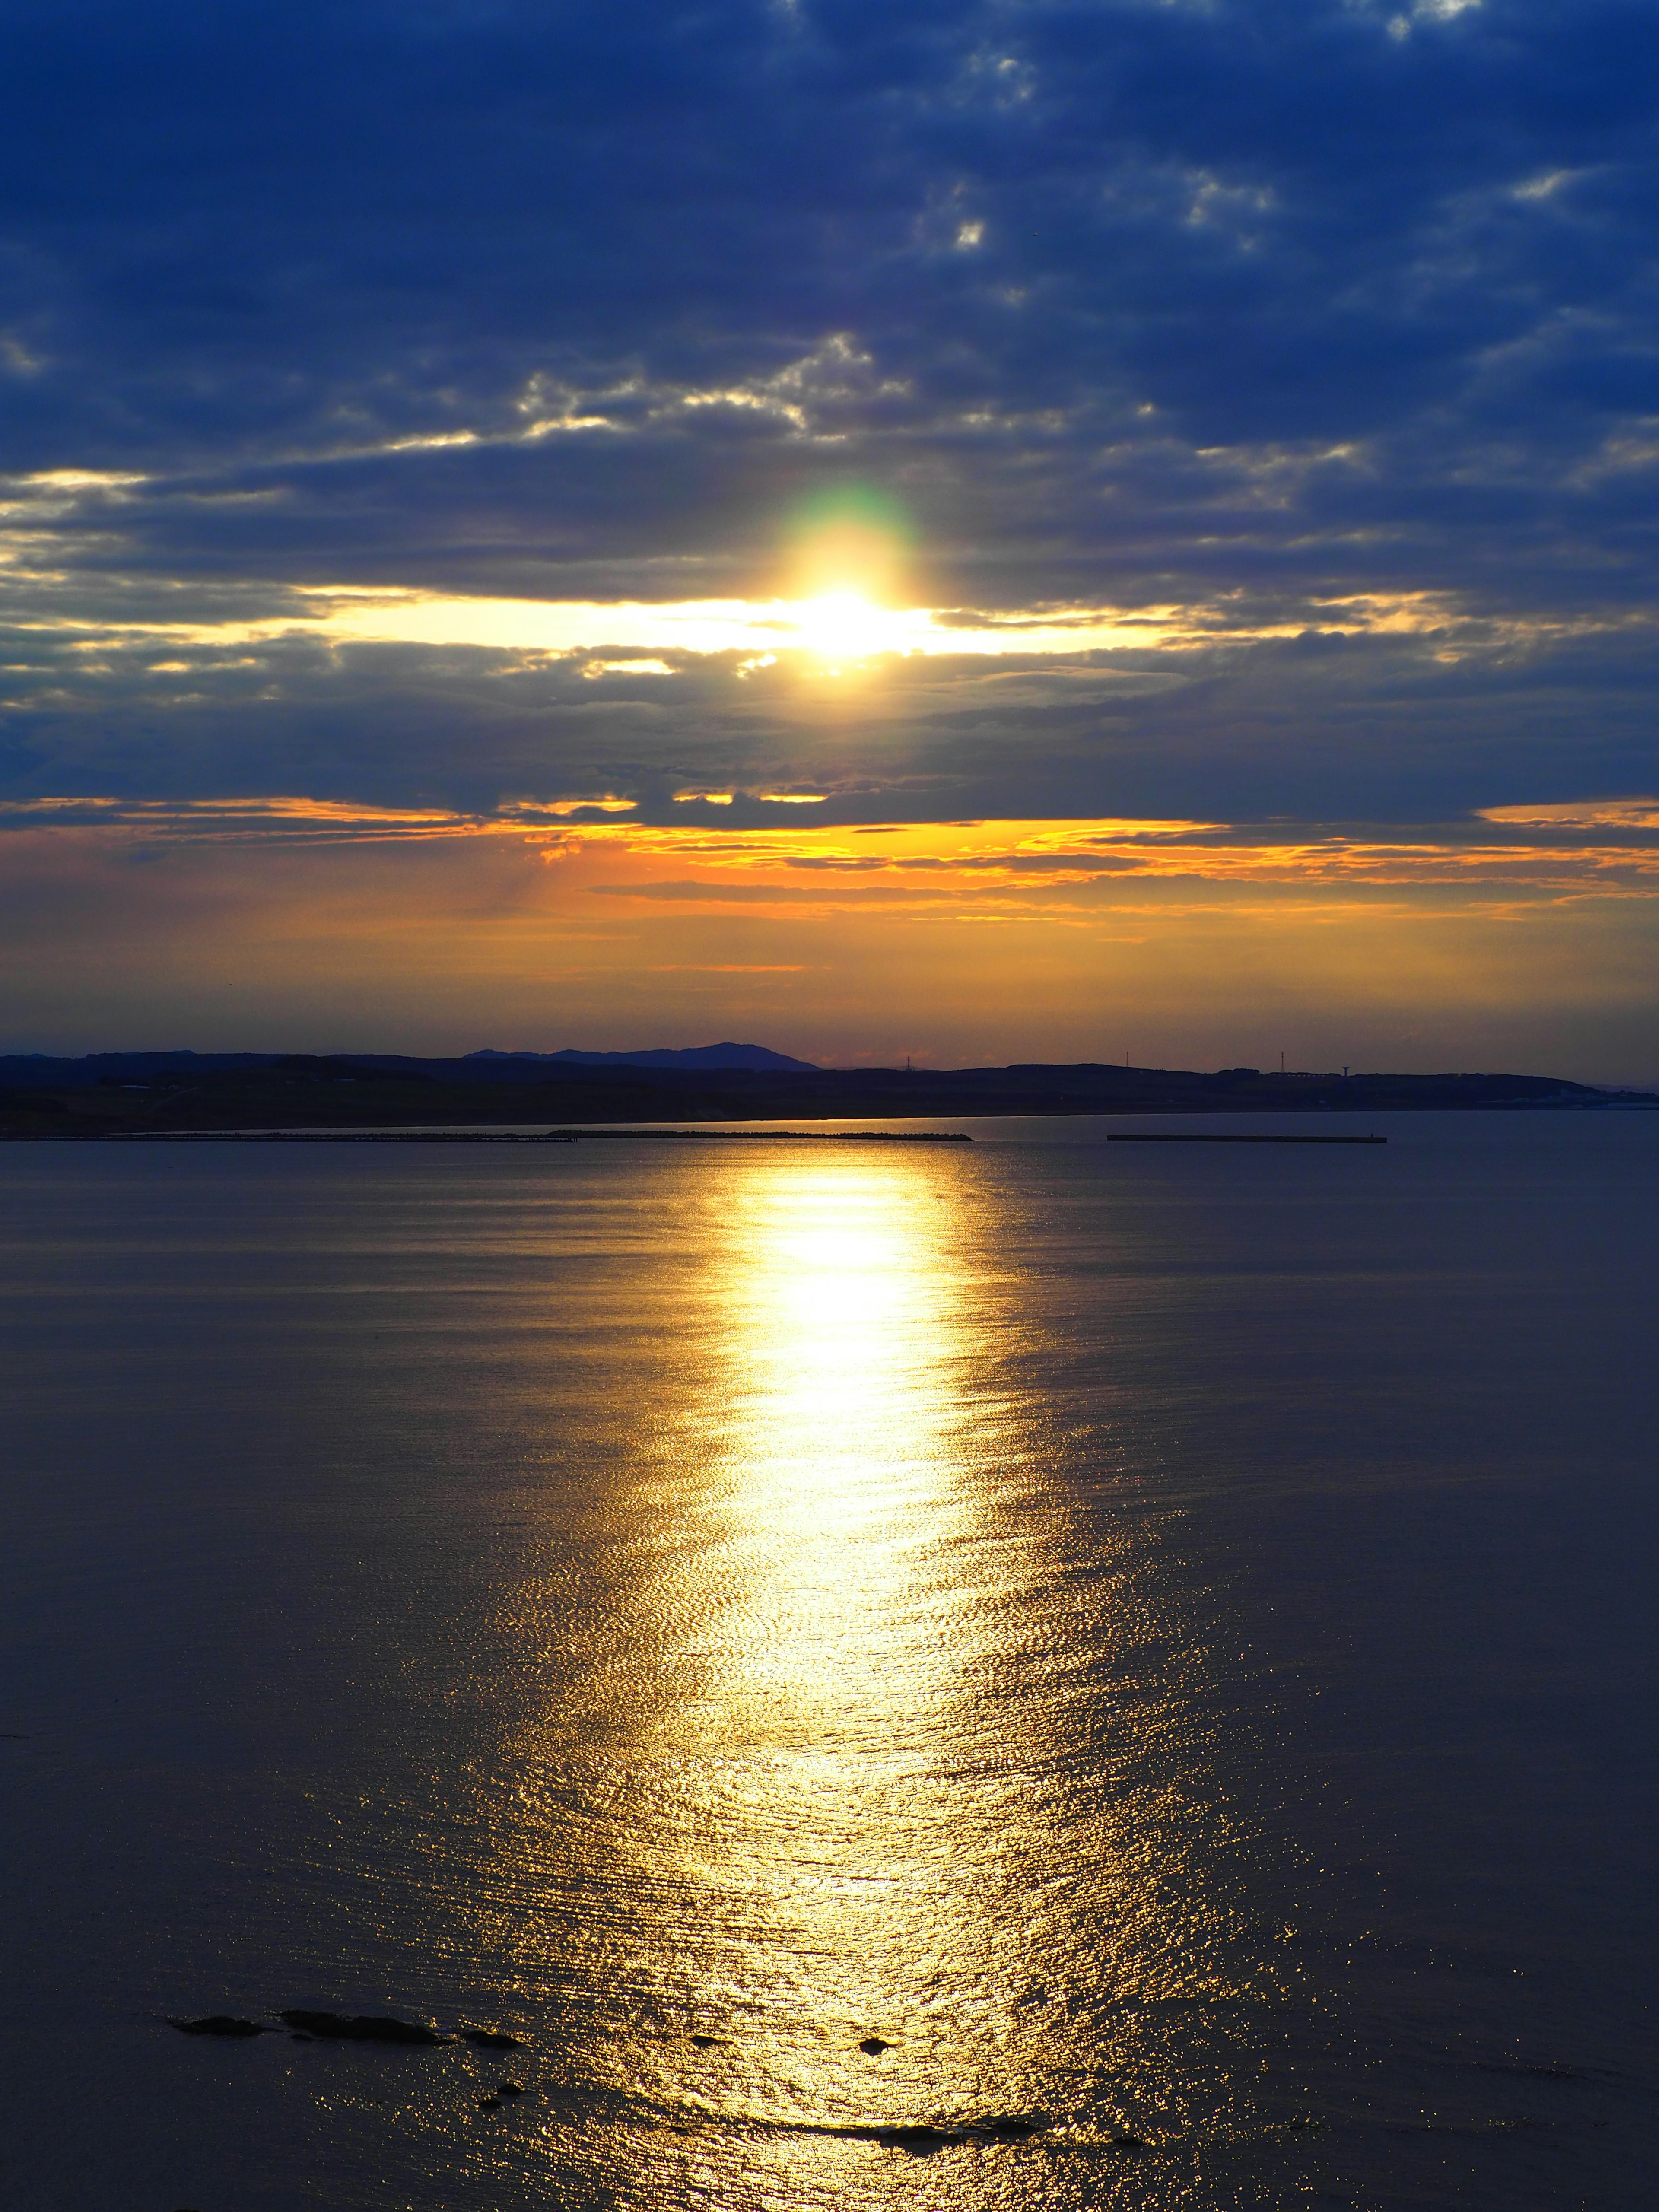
point(330, 929)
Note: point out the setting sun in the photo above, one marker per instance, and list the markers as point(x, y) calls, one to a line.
point(846, 626)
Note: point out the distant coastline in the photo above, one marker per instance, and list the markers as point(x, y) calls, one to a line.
point(646, 1136)
point(118, 1094)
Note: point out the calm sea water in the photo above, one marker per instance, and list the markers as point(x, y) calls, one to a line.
point(1162, 1637)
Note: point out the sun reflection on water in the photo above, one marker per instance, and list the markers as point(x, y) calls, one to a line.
point(838, 1435)
point(834, 1722)
point(863, 1736)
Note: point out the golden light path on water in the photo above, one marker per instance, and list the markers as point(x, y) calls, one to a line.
point(865, 1736)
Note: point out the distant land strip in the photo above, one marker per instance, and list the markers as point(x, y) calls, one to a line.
point(543, 1137)
point(1227, 1136)
point(135, 1093)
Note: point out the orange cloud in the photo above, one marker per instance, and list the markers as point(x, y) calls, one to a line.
point(1576, 846)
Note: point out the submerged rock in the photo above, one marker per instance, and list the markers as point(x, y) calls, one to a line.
point(491, 2039)
point(1010, 2127)
point(703, 2042)
point(362, 2027)
point(509, 2089)
point(873, 2046)
point(921, 2142)
point(923, 2138)
point(219, 2023)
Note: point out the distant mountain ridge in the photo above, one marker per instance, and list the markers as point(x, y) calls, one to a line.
point(687, 1056)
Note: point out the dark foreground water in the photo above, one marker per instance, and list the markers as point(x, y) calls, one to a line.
point(1163, 1637)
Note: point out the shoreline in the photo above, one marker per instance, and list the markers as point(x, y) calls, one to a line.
point(441, 1136)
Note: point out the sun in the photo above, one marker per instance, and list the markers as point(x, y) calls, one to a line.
point(846, 585)
point(840, 626)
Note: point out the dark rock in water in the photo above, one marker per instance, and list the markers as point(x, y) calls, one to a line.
point(299, 2036)
point(919, 2142)
point(873, 2046)
point(491, 2039)
point(1010, 2127)
point(218, 2023)
point(1127, 2142)
point(362, 2027)
point(704, 2042)
point(489, 2104)
point(509, 2088)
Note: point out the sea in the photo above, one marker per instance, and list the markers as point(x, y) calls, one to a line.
point(1042, 1673)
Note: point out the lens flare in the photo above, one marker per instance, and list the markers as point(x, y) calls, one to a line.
point(850, 545)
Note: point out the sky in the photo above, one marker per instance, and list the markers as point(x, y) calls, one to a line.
point(986, 532)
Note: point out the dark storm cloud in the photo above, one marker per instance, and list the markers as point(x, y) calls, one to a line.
point(1245, 306)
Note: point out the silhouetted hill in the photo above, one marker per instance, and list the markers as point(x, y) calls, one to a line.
point(112, 1093)
point(688, 1056)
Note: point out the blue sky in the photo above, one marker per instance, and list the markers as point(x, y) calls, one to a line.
point(1264, 395)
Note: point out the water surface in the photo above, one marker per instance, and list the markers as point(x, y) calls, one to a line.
point(1159, 1637)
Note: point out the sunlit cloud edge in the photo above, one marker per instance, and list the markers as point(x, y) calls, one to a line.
point(1608, 844)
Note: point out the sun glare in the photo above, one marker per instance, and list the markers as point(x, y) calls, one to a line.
point(846, 566)
point(844, 626)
